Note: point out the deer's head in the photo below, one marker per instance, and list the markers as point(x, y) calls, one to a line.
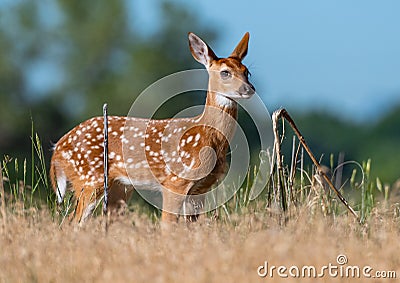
point(227, 76)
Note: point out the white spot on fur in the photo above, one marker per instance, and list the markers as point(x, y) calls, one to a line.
point(66, 155)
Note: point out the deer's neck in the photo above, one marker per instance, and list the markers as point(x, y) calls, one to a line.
point(222, 103)
point(219, 117)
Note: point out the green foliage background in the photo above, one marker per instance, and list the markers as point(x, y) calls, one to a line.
point(99, 56)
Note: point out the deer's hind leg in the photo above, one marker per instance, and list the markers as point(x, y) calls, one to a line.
point(87, 198)
point(118, 197)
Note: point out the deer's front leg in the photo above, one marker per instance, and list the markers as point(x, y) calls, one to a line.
point(194, 207)
point(174, 193)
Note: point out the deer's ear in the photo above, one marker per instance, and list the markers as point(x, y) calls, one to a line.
point(200, 50)
point(241, 49)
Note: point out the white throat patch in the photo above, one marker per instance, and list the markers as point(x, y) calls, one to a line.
point(223, 101)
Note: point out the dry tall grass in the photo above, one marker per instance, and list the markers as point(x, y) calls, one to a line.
point(35, 249)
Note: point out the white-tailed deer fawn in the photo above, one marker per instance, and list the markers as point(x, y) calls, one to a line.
point(180, 157)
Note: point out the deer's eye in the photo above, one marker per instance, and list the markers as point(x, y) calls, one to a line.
point(225, 74)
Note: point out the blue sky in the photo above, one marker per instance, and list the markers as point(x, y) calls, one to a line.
point(338, 56)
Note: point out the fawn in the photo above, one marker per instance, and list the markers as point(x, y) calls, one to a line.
point(179, 157)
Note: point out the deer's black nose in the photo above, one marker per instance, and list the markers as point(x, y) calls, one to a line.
point(247, 89)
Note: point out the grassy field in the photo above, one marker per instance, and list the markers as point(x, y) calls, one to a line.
point(238, 242)
point(134, 249)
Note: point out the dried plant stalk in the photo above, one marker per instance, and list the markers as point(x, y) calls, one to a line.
point(282, 113)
